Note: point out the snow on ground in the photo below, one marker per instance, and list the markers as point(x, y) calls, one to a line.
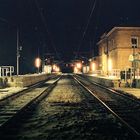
point(9, 91)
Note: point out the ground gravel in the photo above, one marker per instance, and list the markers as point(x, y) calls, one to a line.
point(70, 113)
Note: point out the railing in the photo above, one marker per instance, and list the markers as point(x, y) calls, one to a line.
point(114, 73)
point(6, 70)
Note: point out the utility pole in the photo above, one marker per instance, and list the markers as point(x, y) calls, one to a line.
point(134, 62)
point(134, 42)
point(107, 53)
point(18, 55)
point(18, 48)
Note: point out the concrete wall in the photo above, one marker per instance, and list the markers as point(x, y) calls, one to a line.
point(3, 82)
point(111, 82)
point(103, 81)
point(23, 80)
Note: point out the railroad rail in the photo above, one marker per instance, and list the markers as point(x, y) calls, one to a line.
point(85, 107)
point(17, 108)
point(29, 88)
point(121, 106)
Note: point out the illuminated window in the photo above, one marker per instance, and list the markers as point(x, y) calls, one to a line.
point(134, 42)
point(109, 65)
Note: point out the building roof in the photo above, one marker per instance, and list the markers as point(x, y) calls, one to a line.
point(105, 35)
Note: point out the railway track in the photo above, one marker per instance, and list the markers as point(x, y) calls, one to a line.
point(29, 88)
point(13, 109)
point(124, 108)
point(70, 111)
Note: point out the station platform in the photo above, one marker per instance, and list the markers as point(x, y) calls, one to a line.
point(131, 91)
point(22, 80)
point(107, 81)
point(12, 84)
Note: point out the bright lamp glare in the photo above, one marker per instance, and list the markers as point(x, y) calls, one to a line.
point(75, 70)
point(109, 65)
point(54, 67)
point(37, 62)
point(93, 66)
point(79, 65)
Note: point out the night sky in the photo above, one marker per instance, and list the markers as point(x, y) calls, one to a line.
point(58, 26)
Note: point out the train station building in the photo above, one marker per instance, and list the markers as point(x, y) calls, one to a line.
point(119, 50)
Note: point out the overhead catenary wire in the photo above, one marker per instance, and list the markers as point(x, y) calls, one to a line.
point(46, 27)
point(96, 27)
point(86, 27)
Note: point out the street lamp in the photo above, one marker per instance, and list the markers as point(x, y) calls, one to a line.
point(18, 53)
point(38, 63)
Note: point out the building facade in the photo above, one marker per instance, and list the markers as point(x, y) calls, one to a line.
point(116, 47)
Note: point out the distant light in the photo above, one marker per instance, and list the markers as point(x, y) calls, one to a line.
point(90, 60)
point(37, 62)
point(57, 69)
point(93, 66)
point(47, 69)
point(79, 65)
point(109, 65)
point(54, 67)
point(71, 65)
point(75, 70)
point(67, 65)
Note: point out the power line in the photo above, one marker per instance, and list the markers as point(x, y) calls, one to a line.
point(45, 24)
point(96, 25)
point(84, 33)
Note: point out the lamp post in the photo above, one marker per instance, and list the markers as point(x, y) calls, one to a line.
point(134, 64)
point(18, 48)
point(38, 63)
point(18, 55)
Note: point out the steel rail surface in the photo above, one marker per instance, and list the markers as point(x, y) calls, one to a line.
point(27, 106)
point(29, 88)
point(129, 127)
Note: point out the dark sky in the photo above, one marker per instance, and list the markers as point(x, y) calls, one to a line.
point(57, 26)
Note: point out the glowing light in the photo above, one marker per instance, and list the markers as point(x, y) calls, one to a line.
point(54, 67)
point(90, 60)
point(75, 70)
point(57, 69)
point(79, 65)
point(109, 65)
point(93, 66)
point(37, 62)
point(48, 69)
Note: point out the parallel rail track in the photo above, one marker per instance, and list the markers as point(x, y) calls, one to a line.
point(29, 88)
point(16, 113)
point(13, 110)
point(125, 109)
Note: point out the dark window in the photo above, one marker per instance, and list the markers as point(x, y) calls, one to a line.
point(134, 42)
